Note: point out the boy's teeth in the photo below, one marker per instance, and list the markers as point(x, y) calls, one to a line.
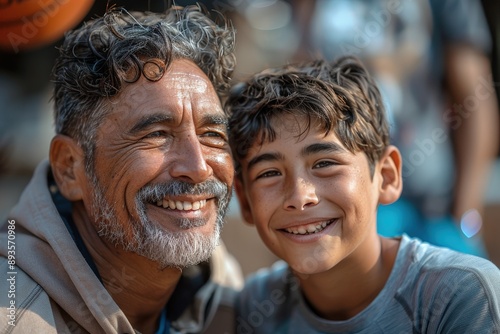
point(181, 205)
point(307, 229)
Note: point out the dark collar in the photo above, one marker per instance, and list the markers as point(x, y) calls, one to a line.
point(65, 208)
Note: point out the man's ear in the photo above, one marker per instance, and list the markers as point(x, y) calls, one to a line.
point(246, 213)
point(67, 163)
point(390, 166)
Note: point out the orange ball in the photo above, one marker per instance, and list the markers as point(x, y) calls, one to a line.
point(27, 24)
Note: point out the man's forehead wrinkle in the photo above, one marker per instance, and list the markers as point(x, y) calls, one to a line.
point(187, 74)
point(189, 80)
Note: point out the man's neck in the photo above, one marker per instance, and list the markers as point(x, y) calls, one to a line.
point(135, 283)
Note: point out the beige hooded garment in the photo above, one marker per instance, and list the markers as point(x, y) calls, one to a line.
point(52, 289)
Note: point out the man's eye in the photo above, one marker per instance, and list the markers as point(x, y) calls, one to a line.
point(156, 134)
point(216, 139)
point(213, 134)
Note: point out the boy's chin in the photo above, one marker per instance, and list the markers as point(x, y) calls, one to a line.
point(306, 268)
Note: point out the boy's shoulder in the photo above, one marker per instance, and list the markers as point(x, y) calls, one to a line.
point(422, 267)
point(435, 282)
point(424, 258)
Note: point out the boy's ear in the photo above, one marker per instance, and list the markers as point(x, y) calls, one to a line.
point(391, 172)
point(246, 213)
point(67, 163)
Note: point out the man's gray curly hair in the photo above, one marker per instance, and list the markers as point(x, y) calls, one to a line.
point(98, 58)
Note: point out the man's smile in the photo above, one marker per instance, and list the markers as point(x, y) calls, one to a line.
point(181, 205)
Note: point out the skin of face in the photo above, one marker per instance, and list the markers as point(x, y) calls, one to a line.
point(296, 183)
point(159, 132)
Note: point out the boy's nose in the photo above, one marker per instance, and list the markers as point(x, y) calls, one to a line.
point(300, 194)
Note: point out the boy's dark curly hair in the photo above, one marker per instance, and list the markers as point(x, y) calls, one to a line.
point(341, 95)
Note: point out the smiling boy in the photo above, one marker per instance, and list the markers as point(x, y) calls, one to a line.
point(313, 161)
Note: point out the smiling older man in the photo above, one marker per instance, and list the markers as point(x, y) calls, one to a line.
point(119, 232)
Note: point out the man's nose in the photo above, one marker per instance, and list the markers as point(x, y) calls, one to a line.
point(190, 162)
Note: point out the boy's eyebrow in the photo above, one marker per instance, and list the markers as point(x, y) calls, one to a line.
point(308, 150)
point(322, 147)
point(265, 157)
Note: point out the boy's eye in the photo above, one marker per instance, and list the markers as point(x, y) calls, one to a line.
point(324, 163)
point(270, 173)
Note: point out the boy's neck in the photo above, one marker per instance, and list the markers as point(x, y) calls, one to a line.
point(347, 289)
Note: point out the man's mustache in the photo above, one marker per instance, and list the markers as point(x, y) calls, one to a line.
point(153, 193)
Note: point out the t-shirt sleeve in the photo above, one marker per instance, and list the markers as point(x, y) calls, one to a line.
point(462, 300)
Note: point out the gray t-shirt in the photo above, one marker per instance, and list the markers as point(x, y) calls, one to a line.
point(430, 290)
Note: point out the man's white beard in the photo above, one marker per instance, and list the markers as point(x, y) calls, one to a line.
point(168, 249)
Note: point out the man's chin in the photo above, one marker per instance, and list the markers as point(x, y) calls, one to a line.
point(178, 249)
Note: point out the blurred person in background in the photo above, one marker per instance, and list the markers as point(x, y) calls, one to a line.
point(431, 60)
point(491, 226)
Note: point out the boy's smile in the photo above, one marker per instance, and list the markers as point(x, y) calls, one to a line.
point(313, 201)
point(309, 228)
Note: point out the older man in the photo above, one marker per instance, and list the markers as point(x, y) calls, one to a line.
point(119, 232)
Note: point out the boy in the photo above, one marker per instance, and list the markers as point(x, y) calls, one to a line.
point(313, 162)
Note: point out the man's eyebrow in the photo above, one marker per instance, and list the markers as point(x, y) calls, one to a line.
point(275, 156)
point(149, 120)
point(214, 119)
point(146, 121)
point(330, 147)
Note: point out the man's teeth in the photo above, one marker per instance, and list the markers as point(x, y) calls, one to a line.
point(308, 229)
point(181, 205)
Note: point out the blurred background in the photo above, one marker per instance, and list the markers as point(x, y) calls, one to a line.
point(436, 63)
